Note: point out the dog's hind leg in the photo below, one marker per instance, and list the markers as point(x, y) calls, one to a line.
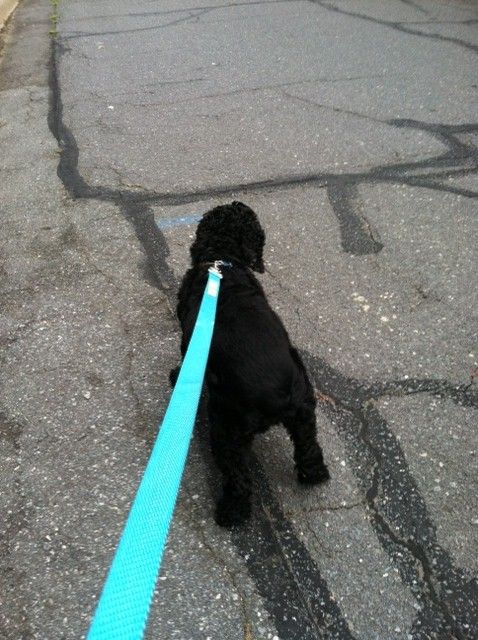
point(309, 460)
point(230, 446)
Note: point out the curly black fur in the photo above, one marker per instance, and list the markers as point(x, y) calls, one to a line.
point(255, 377)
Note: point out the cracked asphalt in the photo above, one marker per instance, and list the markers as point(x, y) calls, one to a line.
point(351, 128)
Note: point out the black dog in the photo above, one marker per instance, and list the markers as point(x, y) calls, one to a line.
point(254, 376)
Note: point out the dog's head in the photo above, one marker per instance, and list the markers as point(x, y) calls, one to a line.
point(230, 232)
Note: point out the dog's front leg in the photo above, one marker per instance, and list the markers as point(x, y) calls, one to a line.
point(230, 447)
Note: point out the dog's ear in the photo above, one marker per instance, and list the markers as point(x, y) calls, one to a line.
point(260, 267)
point(253, 247)
point(252, 257)
point(196, 250)
point(252, 236)
point(205, 235)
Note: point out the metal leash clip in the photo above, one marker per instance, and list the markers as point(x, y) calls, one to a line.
point(216, 269)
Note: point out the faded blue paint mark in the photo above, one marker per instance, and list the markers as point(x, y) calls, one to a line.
point(170, 223)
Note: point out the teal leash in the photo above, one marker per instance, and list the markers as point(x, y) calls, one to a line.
point(127, 594)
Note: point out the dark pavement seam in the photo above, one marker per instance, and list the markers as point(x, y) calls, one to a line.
point(397, 26)
point(402, 524)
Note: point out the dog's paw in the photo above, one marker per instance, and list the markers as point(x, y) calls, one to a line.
point(313, 474)
point(232, 512)
point(173, 375)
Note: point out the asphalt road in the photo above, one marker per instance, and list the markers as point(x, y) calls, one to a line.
point(350, 127)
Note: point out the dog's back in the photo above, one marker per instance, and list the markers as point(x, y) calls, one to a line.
point(252, 365)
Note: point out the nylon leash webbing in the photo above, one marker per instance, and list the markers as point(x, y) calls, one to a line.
point(124, 603)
